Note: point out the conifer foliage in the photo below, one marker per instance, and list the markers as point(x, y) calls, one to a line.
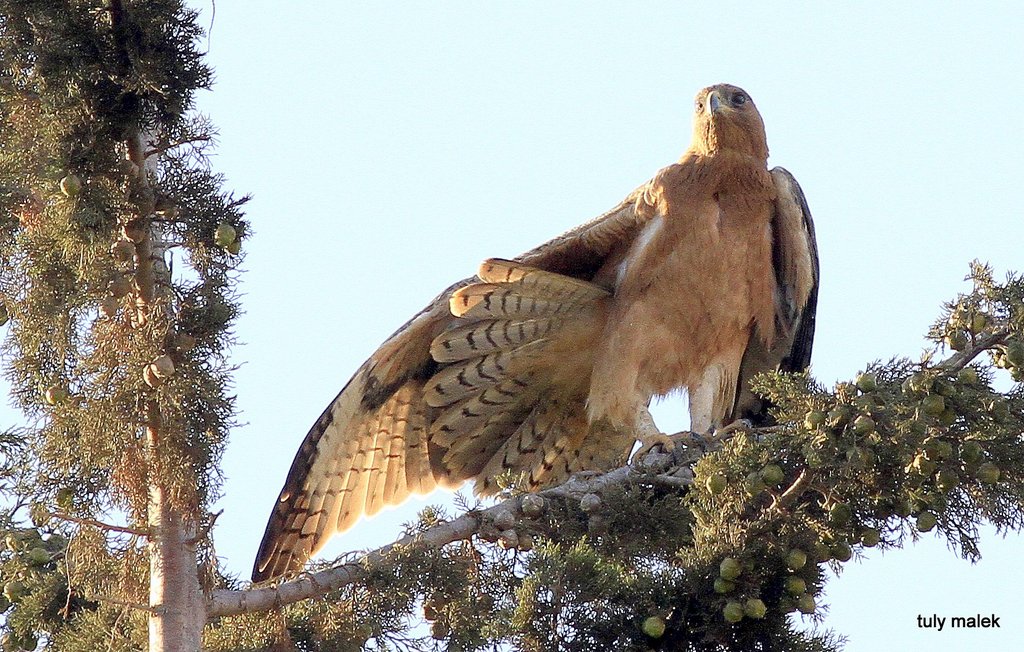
point(118, 251)
point(104, 192)
point(722, 546)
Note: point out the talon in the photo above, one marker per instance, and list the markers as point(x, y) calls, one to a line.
point(650, 437)
point(692, 439)
point(739, 425)
point(651, 441)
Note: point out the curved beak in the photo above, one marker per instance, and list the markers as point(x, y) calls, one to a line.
point(713, 104)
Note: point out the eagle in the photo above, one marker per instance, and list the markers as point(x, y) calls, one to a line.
point(544, 365)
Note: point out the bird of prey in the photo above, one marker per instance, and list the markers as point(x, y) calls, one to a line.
point(545, 365)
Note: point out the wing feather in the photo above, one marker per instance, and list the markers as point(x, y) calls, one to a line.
point(581, 252)
point(798, 268)
point(795, 259)
point(371, 447)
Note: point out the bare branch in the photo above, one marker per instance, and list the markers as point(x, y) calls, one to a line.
point(101, 525)
point(652, 468)
point(963, 358)
point(227, 603)
point(122, 603)
point(201, 534)
point(164, 147)
point(795, 490)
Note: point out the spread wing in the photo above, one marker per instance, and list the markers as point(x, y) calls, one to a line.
point(795, 259)
point(373, 447)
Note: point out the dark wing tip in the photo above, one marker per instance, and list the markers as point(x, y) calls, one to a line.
point(275, 556)
point(800, 355)
point(266, 566)
point(274, 563)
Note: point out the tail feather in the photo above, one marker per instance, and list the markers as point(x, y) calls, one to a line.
point(552, 443)
point(516, 452)
point(551, 462)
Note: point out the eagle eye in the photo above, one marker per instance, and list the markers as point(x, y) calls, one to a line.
point(739, 99)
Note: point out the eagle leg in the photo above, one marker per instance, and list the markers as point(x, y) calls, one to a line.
point(649, 436)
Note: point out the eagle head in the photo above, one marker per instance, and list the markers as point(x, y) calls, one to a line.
point(725, 118)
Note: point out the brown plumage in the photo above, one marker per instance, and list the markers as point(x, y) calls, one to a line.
point(545, 365)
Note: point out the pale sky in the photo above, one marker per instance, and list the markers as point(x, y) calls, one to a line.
point(392, 147)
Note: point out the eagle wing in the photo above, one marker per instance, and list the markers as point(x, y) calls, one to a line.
point(373, 445)
point(795, 261)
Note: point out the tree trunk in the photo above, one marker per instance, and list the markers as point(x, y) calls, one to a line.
point(177, 605)
point(176, 601)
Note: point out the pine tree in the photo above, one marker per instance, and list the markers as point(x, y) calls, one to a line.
point(118, 251)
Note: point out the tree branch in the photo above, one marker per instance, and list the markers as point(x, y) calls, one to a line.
point(205, 529)
point(794, 491)
point(963, 358)
point(651, 468)
point(122, 603)
point(101, 525)
point(164, 147)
